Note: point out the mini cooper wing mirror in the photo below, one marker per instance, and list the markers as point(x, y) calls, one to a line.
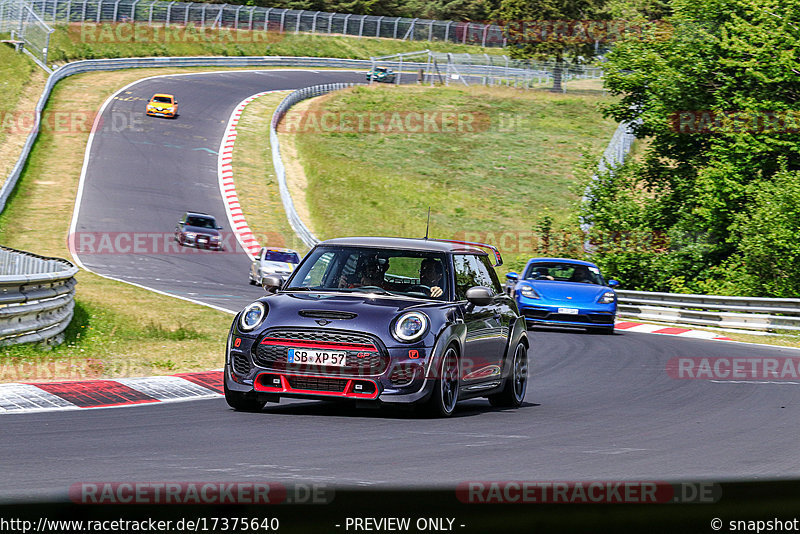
point(613, 283)
point(480, 296)
point(512, 276)
point(272, 283)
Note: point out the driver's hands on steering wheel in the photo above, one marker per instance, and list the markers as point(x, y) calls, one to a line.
point(436, 291)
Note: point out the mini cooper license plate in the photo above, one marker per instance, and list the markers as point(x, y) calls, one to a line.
point(317, 357)
point(568, 311)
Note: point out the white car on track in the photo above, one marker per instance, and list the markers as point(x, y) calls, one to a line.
point(273, 261)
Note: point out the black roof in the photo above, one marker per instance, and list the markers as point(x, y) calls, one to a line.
point(403, 243)
point(198, 214)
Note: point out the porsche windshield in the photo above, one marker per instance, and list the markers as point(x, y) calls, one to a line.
point(564, 272)
point(360, 269)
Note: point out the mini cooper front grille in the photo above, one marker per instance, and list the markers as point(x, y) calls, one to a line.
point(240, 362)
point(314, 383)
point(364, 357)
point(323, 336)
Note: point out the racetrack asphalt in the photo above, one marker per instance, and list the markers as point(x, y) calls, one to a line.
point(598, 407)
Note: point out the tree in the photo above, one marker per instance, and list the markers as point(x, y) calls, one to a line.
point(545, 29)
point(717, 96)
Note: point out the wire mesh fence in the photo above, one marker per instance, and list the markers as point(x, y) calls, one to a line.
point(270, 19)
point(26, 29)
point(491, 70)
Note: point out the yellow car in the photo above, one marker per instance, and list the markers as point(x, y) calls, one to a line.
point(162, 105)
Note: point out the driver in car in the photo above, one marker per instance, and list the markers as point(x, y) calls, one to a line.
point(369, 272)
point(430, 274)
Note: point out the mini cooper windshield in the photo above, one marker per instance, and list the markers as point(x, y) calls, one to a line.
point(361, 269)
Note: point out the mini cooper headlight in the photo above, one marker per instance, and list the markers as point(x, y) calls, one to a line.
point(410, 326)
point(529, 292)
point(607, 298)
point(252, 316)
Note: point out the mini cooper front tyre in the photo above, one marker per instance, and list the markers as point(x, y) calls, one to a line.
point(242, 402)
point(445, 391)
point(514, 391)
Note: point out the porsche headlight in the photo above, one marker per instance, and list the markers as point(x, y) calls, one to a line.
point(607, 298)
point(410, 326)
point(529, 292)
point(252, 316)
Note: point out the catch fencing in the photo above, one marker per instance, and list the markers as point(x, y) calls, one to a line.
point(272, 19)
point(26, 29)
point(36, 297)
point(487, 69)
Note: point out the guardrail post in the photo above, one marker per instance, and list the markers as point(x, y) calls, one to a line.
point(186, 15)
point(297, 26)
point(361, 27)
point(116, 10)
point(266, 18)
point(236, 18)
point(447, 31)
point(396, 22)
point(99, 10)
point(283, 18)
point(344, 31)
point(314, 22)
point(169, 13)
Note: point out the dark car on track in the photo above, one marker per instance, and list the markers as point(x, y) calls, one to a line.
point(565, 292)
point(382, 321)
point(381, 74)
point(198, 230)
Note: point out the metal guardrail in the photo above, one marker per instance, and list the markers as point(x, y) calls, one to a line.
point(36, 297)
point(293, 98)
point(746, 313)
point(90, 65)
point(129, 63)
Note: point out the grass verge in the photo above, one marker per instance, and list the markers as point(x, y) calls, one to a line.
point(118, 329)
point(492, 177)
point(254, 175)
point(21, 83)
point(70, 42)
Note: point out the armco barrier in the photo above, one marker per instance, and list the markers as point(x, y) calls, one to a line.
point(36, 297)
point(280, 170)
point(746, 313)
point(130, 63)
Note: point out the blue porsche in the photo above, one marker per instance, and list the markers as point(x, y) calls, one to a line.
point(565, 292)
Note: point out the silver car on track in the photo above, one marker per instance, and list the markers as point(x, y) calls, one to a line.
point(273, 261)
